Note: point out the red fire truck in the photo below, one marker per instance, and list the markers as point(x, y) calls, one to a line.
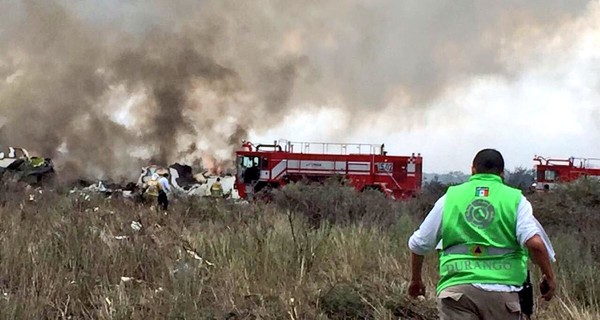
point(552, 171)
point(366, 166)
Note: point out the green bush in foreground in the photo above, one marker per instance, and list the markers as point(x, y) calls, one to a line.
point(315, 252)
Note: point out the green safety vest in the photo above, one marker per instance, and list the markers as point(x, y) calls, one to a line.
point(479, 234)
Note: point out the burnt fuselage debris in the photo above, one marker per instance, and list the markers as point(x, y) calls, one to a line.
point(185, 182)
point(16, 165)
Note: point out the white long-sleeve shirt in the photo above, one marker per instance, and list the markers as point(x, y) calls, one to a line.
point(164, 184)
point(428, 236)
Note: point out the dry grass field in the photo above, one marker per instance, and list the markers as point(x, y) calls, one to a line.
point(314, 252)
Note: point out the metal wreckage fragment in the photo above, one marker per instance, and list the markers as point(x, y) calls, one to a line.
point(184, 182)
point(16, 165)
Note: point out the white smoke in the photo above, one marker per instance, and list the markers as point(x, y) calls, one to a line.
point(549, 105)
point(116, 84)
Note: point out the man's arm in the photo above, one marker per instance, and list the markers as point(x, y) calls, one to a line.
point(528, 226)
point(539, 255)
point(166, 185)
point(532, 236)
point(416, 286)
point(422, 241)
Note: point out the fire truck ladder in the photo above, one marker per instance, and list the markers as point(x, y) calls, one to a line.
point(589, 163)
point(333, 148)
point(584, 163)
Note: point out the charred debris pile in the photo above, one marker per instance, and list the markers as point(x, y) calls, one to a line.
point(19, 168)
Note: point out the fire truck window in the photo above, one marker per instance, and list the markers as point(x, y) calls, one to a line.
point(550, 175)
point(245, 162)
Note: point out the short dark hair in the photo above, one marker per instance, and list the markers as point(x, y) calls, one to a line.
point(488, 161)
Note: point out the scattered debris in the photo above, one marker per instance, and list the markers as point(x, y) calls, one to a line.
point(97, 187)
point(105, 188)
point(131, 279)
point(136, 225)
point(199, 258)
point(80, 195)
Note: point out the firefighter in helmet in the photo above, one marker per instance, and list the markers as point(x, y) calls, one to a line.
point(216, 189)
point(152, 188)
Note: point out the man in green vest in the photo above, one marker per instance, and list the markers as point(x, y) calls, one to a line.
point(484, 231)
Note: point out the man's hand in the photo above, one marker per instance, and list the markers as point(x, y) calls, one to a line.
point(547, 288)
point(416, 288)
point(539, 254)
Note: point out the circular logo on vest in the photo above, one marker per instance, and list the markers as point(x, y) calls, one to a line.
point(480, 213)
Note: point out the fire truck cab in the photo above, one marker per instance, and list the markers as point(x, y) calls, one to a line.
point(549, 172)
point(365, 166)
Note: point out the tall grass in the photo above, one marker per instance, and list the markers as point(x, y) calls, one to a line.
point(314, 252)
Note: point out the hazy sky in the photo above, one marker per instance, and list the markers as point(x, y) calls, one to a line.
point(550, 106)
point(107, 86)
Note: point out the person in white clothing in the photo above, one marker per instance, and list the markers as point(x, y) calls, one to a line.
point(163, 190)
point(484, 231)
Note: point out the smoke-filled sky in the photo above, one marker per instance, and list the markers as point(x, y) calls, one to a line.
point(545, 100)
point(104, 87)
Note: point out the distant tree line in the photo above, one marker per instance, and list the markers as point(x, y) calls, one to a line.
point(437, 184)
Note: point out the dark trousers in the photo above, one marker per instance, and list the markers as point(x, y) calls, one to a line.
point(163, 200)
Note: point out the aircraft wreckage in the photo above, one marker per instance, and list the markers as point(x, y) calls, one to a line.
point(18, 166)
point(181, 178)
point(185, 182)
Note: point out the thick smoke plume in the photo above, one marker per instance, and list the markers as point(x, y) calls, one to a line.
point(106, 86)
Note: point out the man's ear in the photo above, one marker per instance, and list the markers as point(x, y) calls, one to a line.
point(473, 171)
